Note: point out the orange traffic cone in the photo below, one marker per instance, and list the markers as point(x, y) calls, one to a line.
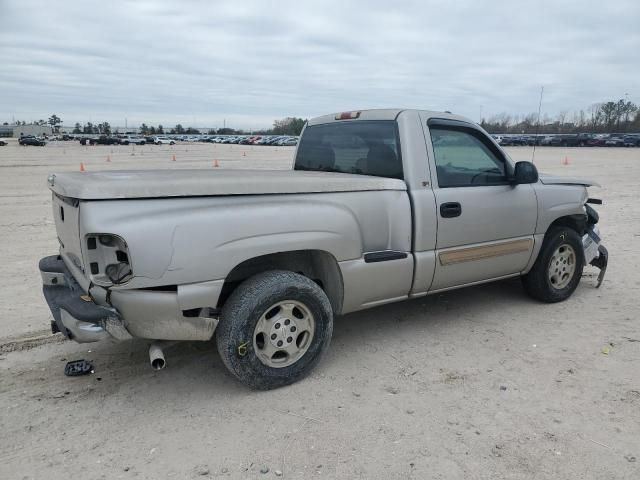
point(565, 161)
point(215, 164)
point(82, 167)
point(174, 158)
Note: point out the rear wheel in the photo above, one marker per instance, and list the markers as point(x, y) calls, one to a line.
point(558, 268)
point(274, 329)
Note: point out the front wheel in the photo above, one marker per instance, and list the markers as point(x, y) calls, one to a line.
point(558, 268)
point(274, 329)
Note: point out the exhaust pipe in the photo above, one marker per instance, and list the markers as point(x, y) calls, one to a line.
point(156, 355)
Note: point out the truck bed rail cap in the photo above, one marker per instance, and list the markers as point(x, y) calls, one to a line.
point(194, 183)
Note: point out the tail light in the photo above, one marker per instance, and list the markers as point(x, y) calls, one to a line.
point(108, 259)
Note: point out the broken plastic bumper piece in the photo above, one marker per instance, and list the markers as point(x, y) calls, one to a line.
point(75, 314)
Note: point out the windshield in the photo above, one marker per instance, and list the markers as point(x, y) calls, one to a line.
point(360, 147)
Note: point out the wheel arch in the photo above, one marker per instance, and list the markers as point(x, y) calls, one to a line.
point(575, 222)
point(317, 265)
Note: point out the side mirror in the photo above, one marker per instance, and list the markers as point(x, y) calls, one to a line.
point(525, 172)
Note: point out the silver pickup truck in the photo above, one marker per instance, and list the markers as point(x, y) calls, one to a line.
point(380, 206)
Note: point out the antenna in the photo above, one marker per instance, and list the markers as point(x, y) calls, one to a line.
point(535, 142)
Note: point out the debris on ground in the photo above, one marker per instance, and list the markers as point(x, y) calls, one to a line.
point(76, 368)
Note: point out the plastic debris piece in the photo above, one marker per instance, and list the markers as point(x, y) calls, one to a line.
point(77, 368)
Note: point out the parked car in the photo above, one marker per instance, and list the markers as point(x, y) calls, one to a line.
point(105, 140)
point(31, 140)
point(3, 143)
point(132, 140)
point(614, 141)
point(265, 259)
point(163, 141)
point(631, 140)
point(290, 142)
point(568, 140)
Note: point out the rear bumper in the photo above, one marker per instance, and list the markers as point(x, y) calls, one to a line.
point(75, 315)
point(89, 313)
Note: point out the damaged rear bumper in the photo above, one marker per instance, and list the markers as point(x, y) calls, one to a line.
point(75, 315)
point(91, 313)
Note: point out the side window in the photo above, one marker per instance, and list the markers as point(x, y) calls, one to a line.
point(464, 160)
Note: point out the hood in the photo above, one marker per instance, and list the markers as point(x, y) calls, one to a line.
point(555, 180)
point(192, 183)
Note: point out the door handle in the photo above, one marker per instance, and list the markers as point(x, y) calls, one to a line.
point(450, 210)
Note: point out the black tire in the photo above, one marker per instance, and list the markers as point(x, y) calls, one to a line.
point(240, 314)
point(537, 283)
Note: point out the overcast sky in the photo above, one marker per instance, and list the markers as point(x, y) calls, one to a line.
point(249, 62)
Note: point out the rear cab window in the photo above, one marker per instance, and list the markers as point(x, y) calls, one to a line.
point(368, 147)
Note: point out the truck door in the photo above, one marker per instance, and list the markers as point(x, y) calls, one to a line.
point(485, 223)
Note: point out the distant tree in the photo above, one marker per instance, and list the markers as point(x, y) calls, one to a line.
point(41, 123)
point(192, 131)
point(562, 117)
point(144, 129)
point(152, 130)
point(226, 131)
point(76, 128)
point(55, 121)
point(288, 126)
point(88, 128)
point(105, 128)
point(160, 130)
point(178, 129)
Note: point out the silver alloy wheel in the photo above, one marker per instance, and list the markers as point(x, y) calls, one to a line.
point(283, 333)
point(562, 266)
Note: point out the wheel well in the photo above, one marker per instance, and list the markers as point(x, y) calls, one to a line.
point(575, 222)
point(319, 266)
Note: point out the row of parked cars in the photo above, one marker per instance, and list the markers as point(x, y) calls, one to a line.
point(282, 140)
point(571, 140)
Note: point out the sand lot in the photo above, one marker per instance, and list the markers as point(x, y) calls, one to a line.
point(481, 383)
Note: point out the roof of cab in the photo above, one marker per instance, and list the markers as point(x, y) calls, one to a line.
point(384, 114)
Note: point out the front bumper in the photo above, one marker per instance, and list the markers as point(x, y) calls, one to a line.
point(75, 314)
point(595, 253)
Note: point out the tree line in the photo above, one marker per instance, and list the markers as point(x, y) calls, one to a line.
point(606, 117)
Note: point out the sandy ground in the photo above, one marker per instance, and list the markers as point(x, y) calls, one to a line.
point(480, 383)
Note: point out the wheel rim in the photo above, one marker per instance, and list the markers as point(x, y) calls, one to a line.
point(562, 266)
point(283, 333)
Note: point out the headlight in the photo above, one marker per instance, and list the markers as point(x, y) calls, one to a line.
point(108, 259)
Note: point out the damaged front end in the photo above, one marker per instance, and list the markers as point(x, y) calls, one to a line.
point(595, 253)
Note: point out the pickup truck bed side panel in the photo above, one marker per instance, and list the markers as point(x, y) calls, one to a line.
point(369, 284)
point(203, 239)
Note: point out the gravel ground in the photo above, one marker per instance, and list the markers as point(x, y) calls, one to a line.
point(480, 383)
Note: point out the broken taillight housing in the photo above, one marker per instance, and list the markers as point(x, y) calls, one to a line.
point(107, 256)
